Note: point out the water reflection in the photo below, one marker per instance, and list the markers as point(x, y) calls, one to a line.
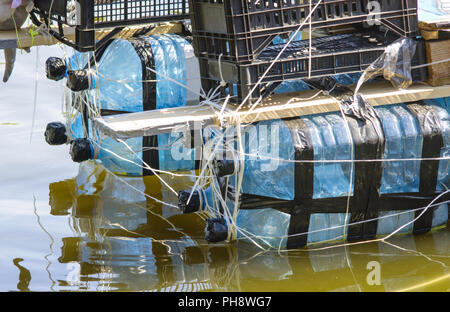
point(126, 241)
point(24, 275)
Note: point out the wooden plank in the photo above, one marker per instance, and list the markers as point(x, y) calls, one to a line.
point(439, 74)
point(434, 34)
point(23, 39)
point(441, 24)
point(436, 29)
point(377, 94)
point(277, 106)
point(127, 32)
point(155, 122)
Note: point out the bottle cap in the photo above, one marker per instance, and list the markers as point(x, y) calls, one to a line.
point(78, 80)
point(55, 133)
point(55, 68)
point(194, 203)
point(81, 150)
point(216, 230)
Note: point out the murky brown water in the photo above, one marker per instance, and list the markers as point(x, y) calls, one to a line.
point(65, 227)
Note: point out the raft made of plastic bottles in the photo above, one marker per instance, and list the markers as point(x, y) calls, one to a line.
point(333, 177)
point(134, 75)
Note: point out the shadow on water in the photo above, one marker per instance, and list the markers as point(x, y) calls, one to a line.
point(126, 241)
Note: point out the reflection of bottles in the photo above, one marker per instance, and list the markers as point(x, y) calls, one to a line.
point(71, 249)
point(61, 197)
point(84, 206)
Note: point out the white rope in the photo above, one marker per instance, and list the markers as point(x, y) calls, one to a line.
point(310, 43)
point(344, 160)
point(36, 80)
point(346, 225)
point(431, 64)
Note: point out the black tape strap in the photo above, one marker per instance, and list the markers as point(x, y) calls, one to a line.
point(409, 201)
point(150, 154)
point(433, 142)
point(145, 52)
point(368, 141)
point(388, 202)
point(304, 181)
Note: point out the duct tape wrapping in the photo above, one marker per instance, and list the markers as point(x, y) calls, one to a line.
point(433, 142)
point(78, 80)
point(55, 68)
point(150, 153)
point(368, 139)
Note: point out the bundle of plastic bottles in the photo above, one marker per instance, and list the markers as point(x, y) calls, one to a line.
point(116, 84)
point(269, 172)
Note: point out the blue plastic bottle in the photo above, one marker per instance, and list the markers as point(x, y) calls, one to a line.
point(118, 87)
point(118, 75)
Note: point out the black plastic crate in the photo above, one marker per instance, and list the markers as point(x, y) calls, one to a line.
point(340, 54)
point(241, 29)
point(88, 15)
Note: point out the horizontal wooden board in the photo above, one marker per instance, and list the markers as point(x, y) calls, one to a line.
point(439, 74)
point(277, 106)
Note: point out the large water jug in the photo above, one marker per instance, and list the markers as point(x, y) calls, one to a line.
point(163, 68)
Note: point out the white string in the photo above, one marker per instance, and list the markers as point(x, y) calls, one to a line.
point(36, 80)
point(430, 64)
point(337, 161)
point(310, 43)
